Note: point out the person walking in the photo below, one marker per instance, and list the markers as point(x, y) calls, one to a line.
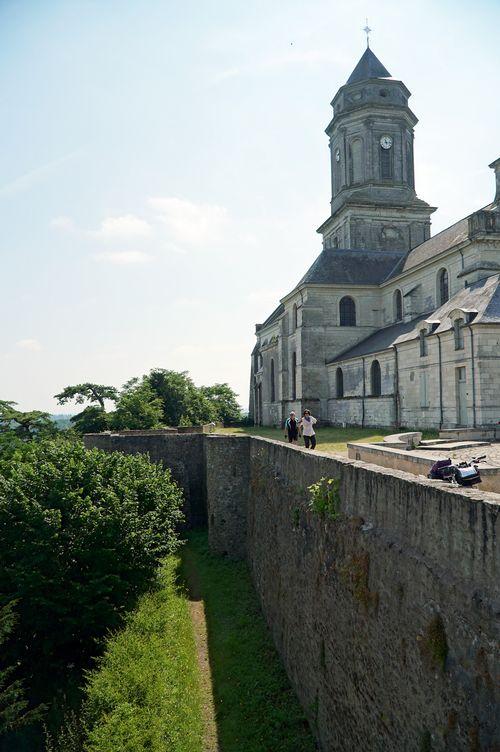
point(292, 428)
point(306, 426)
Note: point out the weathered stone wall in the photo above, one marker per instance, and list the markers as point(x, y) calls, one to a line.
point(181, 453)
point(387, 617)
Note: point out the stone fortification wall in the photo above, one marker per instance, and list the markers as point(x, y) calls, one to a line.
point(386, 618)
point(181, 453)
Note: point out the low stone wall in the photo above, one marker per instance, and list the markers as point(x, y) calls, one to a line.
point(387, 617)
point(181, 453)
point(415, 462)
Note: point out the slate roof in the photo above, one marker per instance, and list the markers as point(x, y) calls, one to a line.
point(444, 240)
point(348, 266)
point(482, 296)
point(369, 66)
point(274, 316)
point(381, 339)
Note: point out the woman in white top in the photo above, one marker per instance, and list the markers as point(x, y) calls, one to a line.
point(306, 425)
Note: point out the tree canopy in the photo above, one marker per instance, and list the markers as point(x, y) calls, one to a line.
point(87, 392)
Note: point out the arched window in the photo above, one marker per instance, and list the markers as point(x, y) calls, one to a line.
point(347, 312)
point(398, 306)
point(294, 376)
point(443, 287)
point(339, 383)
point(273, 390)
point(295, 318)
point(375, 379)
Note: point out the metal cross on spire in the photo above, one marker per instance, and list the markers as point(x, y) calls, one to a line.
point(367, 32)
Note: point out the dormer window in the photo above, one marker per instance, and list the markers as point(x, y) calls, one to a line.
point(459, 334)
point(423, 343)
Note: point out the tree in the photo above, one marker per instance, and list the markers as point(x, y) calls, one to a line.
point(181, 399)
point(224, 400)
point(14, 711)
point(81, 535)
point(93, 418)
point(138, 407)
point(87, 392)
point(25, 425)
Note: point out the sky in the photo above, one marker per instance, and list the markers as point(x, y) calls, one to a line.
point(165, 167)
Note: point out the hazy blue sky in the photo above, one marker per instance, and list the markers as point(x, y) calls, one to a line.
point(165, 167)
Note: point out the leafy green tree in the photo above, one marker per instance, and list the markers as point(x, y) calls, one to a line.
point(93, 418)
point(14, 712)
point(224, 400)
point(81, 535)
point(87, 392)
point(181, 400)
point(138, 407)
point(25, 425)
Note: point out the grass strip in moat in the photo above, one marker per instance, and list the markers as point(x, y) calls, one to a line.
point(145, 695)
point(255, 707)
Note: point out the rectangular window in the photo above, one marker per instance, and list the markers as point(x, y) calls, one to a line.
point(423, 343)
point(459, 334)
point(386, 164)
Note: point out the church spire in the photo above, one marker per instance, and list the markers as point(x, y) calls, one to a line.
point(369, 66)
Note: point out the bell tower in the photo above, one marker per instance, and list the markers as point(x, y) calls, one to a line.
point(374, 204)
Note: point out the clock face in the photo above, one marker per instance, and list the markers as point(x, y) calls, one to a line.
point(337, 155)
point(386, 142)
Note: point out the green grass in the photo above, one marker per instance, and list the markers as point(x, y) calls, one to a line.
point(145, 694)
point(256, 709)
point(329, 438)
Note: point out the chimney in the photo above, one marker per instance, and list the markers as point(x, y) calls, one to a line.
point(496, 166)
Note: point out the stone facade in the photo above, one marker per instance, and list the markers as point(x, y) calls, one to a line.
point(379, 282)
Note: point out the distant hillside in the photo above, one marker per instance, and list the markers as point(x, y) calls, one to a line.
point(62, 420)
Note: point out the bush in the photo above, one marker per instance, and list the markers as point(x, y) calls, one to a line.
point(81, 535)
point(145, 694)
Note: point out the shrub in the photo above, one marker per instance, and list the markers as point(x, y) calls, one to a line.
point(325, 497)
point(81, 534)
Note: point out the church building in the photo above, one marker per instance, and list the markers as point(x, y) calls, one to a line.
point(389, 326)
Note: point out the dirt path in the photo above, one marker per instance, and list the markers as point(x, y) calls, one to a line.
point(197, 608)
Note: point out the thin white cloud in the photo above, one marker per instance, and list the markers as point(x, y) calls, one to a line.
point(30, 344)
point(122, 258)
point(34, 176)
point(62, 223)
point(189, 223)
point(124, 227)
point(292, 57)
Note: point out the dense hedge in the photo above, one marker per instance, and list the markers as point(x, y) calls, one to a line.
point(145, 694)
point(81, 536)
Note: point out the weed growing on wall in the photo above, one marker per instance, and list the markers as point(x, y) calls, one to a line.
point(325, 497)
